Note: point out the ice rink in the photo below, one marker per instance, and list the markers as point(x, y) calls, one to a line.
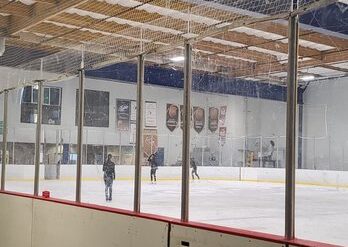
point(247, 205)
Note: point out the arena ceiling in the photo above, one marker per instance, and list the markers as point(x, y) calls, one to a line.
point(238, 38)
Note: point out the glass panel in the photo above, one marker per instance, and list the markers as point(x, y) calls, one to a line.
point(322, 170)
point(108, 163)
point(20, 170)
point(59, 144)
point(236, 129)
point(162, 136)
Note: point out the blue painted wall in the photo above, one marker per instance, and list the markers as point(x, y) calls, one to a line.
point(202, 81)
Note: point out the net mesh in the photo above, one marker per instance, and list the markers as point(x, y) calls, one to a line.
point(103, 32)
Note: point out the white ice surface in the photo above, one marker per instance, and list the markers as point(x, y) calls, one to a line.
point(321, 212)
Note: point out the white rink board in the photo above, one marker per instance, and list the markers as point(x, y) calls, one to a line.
point(59, 225)
point(94, 172)
point(204, 238)
point(15, 221)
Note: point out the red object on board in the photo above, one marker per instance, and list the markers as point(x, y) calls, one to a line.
point(46, 194)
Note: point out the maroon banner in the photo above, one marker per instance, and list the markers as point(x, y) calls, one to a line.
point(198, 119)
point(172, 118)
point(222, 116)
point(213, 122)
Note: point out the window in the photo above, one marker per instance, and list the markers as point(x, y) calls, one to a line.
point(51, 109)
point(96, 108)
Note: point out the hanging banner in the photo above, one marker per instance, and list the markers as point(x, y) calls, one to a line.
point(172, 117)
point(213, 122)
point(122, 113)
point(198, 119)
point(133, 111)
point(222, 117)
point(132, 136)
point(150, 114)
point(222, 135)
point(150, 142)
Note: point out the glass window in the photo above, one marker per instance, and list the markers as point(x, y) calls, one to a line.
point(55, 96)
point(27, 94)
point(46, 100)
point(96, 108)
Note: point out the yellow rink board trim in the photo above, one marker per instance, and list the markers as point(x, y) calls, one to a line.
point(272, 181)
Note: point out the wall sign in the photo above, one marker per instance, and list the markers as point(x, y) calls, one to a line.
point(123, 114)
point(150, 114)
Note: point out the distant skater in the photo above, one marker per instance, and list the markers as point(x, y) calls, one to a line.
point(109, 176)
point(194, 168)
point(153, 164)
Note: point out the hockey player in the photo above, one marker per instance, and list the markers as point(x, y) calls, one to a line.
point(194, 168)
point(109, 177)
point(153, 164)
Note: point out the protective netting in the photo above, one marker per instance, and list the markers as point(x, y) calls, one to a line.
point(94, 34)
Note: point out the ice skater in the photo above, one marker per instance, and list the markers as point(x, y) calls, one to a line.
point(109, 177)
point(153, 164)
point(194, 169)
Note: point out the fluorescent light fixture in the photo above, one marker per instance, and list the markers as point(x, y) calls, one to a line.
point(178, 59)
point(307, 78)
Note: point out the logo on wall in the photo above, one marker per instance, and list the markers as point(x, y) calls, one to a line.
point(222, 117)
point(198, 119)
point(123, 114)
point(213, 119)
point(172, 118)
point(222, 135)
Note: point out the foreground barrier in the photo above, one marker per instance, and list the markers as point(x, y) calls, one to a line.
point(27, 221)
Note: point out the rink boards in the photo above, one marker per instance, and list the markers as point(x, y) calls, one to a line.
point(273, 175)
point(26, 221)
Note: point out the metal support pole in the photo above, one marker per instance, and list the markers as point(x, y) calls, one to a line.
point(38, 138)
point(4, 140)
point(80, 122)
point(139, 134)
point(291, 128)
point(186, 134)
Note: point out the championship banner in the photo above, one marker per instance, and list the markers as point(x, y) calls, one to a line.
point(222, 117)
point(150, 142)
point(198, 119)
point(172, 117)
point(222, 135)
point(213, 122)
point(150, 114)
point(133, 111)
point(122, 113)
point(132, 136)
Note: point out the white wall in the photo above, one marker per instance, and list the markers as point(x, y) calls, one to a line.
point(263, 118)
point(325, 125)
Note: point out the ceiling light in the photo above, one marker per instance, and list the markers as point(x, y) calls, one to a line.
point(177, 59)
point(307, 78)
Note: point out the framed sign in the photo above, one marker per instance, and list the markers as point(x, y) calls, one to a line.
point(150, 114)
point(123, 114)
